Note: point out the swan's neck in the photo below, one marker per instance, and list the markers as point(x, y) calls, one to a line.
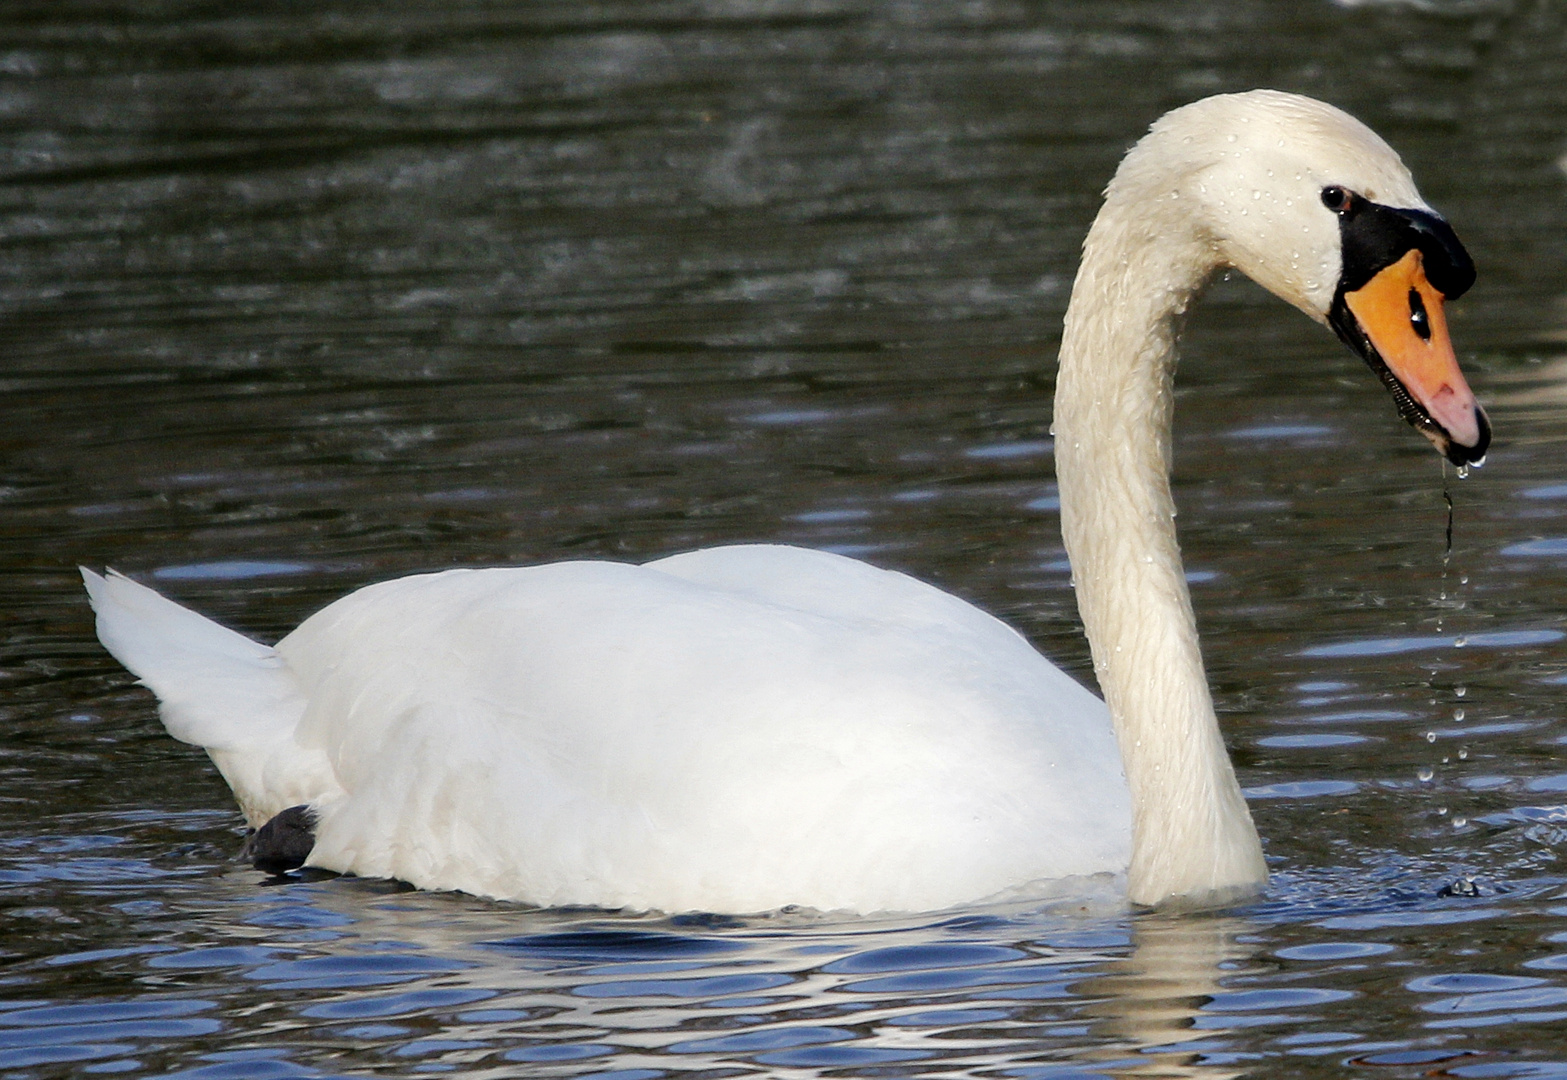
point(1191, 832)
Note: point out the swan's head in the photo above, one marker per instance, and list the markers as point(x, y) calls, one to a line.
point(1315, 207)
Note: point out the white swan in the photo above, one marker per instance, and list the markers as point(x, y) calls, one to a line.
point(744, 728)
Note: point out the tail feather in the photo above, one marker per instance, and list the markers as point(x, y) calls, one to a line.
point(217, 689)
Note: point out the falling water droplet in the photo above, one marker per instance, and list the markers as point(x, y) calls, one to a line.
point(1458, 715)
point(1460, 821)
point(1460, 691)
point(1425, 774)
point(1441, 811)
point(1463, 579)
point(1463, 753)
point(1430, 736)
point(1460, 641)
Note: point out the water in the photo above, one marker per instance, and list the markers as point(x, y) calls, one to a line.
point(297, 298)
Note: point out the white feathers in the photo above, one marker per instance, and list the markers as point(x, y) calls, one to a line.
point(217, 689)
point(733, 729)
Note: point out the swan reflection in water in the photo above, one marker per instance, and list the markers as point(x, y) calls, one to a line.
point(990, 991)
point(1149, 1003)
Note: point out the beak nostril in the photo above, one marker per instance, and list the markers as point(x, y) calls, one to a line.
point(1417, 315)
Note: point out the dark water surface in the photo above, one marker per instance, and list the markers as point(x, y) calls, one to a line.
point(296, 297)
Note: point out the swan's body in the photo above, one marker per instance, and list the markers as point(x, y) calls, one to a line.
point(721, 723)
point(743, 728)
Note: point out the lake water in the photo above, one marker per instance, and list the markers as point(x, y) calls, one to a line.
point(298, 297)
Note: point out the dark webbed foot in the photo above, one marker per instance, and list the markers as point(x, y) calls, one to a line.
point(284, 843)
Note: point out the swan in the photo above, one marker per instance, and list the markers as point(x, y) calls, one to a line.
point(751, 727)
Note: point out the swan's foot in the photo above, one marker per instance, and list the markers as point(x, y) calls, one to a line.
point(284, 843)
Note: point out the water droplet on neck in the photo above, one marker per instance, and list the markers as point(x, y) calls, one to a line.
point(1458, 715)
point(1460, 691)
point(1425, 774)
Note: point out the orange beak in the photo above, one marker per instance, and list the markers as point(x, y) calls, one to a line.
point(1400, 313)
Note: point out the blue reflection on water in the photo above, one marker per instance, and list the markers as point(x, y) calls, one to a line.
point(233, 570)
point(1492, 639)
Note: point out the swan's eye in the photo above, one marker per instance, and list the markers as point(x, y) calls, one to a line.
point(1417, 316)
point(1335, 198)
